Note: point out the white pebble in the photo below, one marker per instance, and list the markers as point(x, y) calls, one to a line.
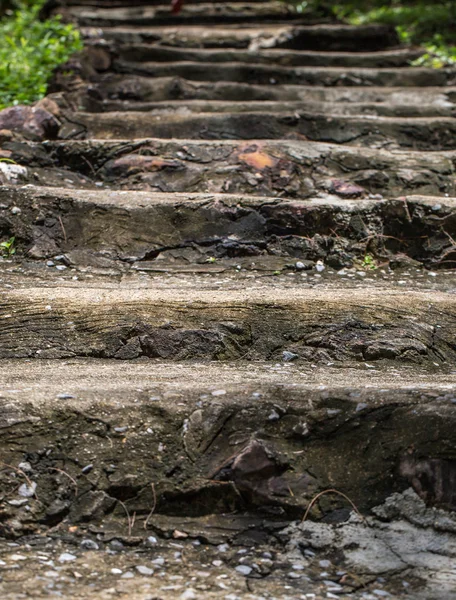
point(128, 575)
point(144, 570)
point(244, 569)
point(27, 491)
point(188, 594)
point(66, 557)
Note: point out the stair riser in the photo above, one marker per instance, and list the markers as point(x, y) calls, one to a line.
point(39, 323)
point(229, 226)
point(294, 170)
point(143, 89)
point(423, 134)
point(217, 14)
point(183, 459)
point(324, 38)
point(270, 75)
point(158, 53)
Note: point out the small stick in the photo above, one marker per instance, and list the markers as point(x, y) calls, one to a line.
point(130, 523)
point(21, 472)
point(146, 522)
point(69, 477)
point(63, 229)
point(330, 491)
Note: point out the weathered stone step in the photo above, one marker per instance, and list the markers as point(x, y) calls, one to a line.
point(436, 133)
point(334, 325)
point(134, 226)
point(197, 432)
point(323, 37)
point(400, 57)
point(291, 168)
point(107, 4)
point(381, 109)
point(145, 89)
point(272, 75)
point(239, 12)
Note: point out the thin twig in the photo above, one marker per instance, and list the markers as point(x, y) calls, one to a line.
point(130, 522)
point(407, 211)
point(90, 165)
point(69, 477)
point(330, 491)
point(146, 522)
point(63, 229)
point(21, 472)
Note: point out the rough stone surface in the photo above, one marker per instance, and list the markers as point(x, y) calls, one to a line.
point(32, 122)
point(227, 301)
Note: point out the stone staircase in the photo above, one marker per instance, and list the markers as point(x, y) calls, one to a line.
point(233, 291)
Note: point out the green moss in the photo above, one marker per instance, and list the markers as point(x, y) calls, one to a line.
point(30, 50)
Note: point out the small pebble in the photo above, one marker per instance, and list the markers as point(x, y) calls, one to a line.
point(244, 569)
point(289, 356)
point(128, 575)
point(66, 557)
point(144, 570)
point(89, 545)
point(189, 594)
point(27, 491)
point(151, 540)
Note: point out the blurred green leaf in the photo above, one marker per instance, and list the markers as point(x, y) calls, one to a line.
point(30, 50)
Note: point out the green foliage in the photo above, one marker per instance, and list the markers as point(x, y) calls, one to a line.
point(431, 24)
point(369, 262)
point(7, 248)
point(30, 50)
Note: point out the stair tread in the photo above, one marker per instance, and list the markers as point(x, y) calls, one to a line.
point(94, 380)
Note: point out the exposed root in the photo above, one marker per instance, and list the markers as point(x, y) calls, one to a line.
point(146, 522)
point(76, 489)
point(331, 491)
point(21, 472)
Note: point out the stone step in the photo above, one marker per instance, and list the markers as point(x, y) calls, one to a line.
point(176, 107)
point(218, 13)
point(134, 226)
point(145, 89)
point(107, 4)
point(276, 75)
point(400, 57)
point(334, 325)
point(198, 431)
point(322, 37)
point(437, 133)
point(268, 168)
